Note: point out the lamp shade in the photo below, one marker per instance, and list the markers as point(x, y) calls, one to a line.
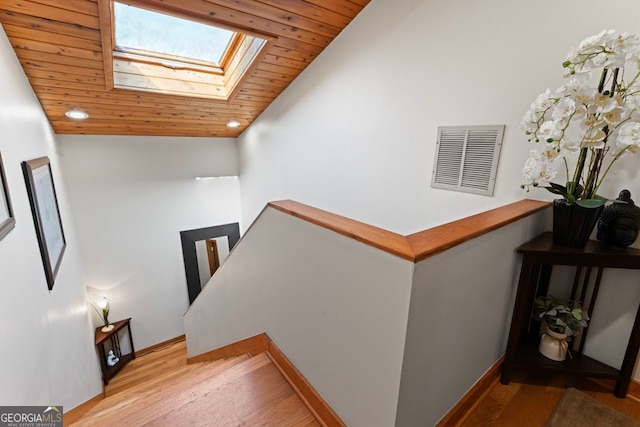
point(101, 305)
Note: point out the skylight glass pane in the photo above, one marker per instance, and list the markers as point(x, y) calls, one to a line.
point(142, 29)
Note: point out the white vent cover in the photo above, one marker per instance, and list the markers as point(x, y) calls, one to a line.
point(467, 158)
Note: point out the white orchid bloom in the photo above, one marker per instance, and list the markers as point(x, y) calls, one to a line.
point(629, 134)
point(538, 169)
point(604, 103)
point(592, 121)
point(623, 48)
point(543, 102)
point(551, 130)
point(585, 95)
point(614, 116)
point(594, 138)
point(582, 116)
point(563, 110)
point(529, 123)
point(568, 144)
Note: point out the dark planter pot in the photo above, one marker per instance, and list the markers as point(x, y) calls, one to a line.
point(573, 224)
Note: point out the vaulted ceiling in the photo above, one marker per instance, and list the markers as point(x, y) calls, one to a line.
point(60, 46)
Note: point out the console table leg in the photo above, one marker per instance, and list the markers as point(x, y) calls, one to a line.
point(103, 364)
point(505, 377)
point(133, 350)
point(518, 319)
point(629, 359)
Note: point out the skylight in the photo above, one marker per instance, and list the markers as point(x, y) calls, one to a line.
point(143, 30)
point(152, 49)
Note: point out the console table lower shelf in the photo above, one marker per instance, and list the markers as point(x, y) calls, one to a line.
point(110, 371)
point(102, 338)
point(528, 357)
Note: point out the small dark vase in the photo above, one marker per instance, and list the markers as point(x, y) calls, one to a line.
point(573, 224)
point(619, 224)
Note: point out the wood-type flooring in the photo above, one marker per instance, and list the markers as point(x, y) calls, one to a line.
point(530, 401)
point(160, 389)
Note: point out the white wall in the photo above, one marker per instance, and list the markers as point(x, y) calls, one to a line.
point(613, 317)
point(336, 307)
point(357, 129)
point(131, 197)
point(614, 313)
point(461, 306)
point(47, 356)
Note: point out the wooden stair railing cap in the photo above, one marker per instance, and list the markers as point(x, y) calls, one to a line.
point(417, 246)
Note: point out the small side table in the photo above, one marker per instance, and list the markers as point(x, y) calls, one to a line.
point(540, 255)
point(101, 338)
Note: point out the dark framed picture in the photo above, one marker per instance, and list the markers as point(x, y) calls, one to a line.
point(46, 215)
point(7, 221)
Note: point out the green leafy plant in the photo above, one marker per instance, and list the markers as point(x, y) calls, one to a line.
point(562, 317)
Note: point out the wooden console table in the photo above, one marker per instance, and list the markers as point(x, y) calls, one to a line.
point(112, 336)
point(539, 257)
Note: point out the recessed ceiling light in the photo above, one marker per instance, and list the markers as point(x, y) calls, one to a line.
point(233, 124)
point(76, 115)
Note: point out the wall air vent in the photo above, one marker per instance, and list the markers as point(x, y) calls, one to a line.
point(467, 158)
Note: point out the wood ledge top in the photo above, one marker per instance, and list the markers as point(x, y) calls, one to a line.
point(418, 246)
point(388, 241)
point(101, 336)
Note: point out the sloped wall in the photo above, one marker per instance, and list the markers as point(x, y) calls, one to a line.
point(47, 356)
point(355, 133)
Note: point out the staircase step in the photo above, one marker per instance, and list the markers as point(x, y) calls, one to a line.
point(142, 390)
point(204, 369)
point(165, 391)
point(289, 412)
point(127, 403)
point(229, 399)
point(127, 380)
point(183, 394)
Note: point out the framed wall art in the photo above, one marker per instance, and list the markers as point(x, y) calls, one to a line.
point(46, 215)
point(7, 221)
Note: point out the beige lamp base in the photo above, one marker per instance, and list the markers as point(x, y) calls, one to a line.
point(107, 328)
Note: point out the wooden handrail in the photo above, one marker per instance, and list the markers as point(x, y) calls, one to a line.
point(418, 246)
point(388, 241)
point(438, 239)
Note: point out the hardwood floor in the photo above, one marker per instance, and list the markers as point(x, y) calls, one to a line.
point(147, 367)
point(528, 404)
point(160, 389)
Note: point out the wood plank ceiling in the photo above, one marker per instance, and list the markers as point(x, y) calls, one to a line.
point(58, 43)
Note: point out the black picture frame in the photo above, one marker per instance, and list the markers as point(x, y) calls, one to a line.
point(7, 220)
point(46, 215)
point(190, 256)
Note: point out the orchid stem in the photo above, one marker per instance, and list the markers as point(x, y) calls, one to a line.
point(609, 168)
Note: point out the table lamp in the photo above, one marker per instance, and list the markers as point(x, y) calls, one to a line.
point(101, 306)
